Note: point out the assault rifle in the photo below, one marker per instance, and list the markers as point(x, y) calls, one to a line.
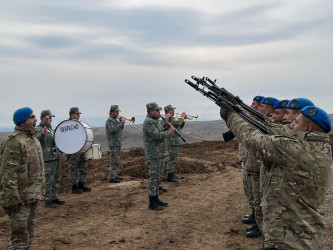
point(211, 85)
point(218, 98)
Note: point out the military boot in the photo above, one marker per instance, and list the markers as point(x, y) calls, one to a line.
point(249, 220)
point(50, 204)
point(254, 234)
point(251, 228)
point(76, 190)
point(153, 204)
point(83, 187)
point(173, 178)
point(161, 203)
point(59, 202)
point(162, 189)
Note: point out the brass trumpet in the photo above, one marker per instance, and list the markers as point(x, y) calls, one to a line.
point(188, 117)
point(131, 120)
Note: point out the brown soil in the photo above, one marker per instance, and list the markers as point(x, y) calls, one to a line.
point(204, 212)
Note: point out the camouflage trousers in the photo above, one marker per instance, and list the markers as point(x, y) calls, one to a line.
point(257, 195)
point(22, 226)
point(155, 167)
point(247, 186)
point(172, 160)
point(77, 168)
point(52, 179)
point(114, 162)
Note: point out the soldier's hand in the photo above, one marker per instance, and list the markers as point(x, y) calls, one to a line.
point(225, 110)
point(172, 128)
point(184, 115)
point(44, 132)
point(122, 122)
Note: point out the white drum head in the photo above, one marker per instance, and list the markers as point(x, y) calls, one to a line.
point(72, 136)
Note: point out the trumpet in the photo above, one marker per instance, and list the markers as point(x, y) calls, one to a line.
point(188, 117)
point(131, 122)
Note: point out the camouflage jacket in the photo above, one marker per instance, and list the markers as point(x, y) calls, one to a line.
point(298, 181)
point(174, 139)
point(114, 131)
point(154, 138)
point(22, 168)
point(47, 142)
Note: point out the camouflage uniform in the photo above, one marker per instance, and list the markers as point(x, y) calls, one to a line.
point(114, 136)
point(298, 180)
point(51, 162)
point(247, 183)
point(173, 141)
point(155, 147)
point(22, 181)
point(77, 168)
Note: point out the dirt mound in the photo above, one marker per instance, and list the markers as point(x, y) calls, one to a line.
point(195, 158)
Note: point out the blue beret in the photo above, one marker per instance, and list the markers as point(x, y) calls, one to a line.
point(269, 101)
point(258, 98)
point(299, 103)
point(21, 115)
point(318, 116)
point(281, 104)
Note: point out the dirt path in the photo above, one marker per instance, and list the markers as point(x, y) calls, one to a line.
point(204, 211)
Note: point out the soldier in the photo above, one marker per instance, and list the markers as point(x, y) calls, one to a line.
point(114, 129)
point(253, 167)
point(22, 178)
point(45, 135)
point(298, 179)
point(266, 106)
point(293, 108)
point(247, 183)
point(77, 163)
point(173, 140)
point(155, 147)
point(279, 110)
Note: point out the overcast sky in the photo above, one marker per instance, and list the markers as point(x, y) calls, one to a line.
point(92, 54)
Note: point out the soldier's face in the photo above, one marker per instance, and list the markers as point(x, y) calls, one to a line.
point(265, 109)
point(155, 113)
point(299, 124)
point(290, 115)
point(29, 123)
point(255, 105)
point(171, 111)
point(47, 120)
point(76, 116)
point(278, 115)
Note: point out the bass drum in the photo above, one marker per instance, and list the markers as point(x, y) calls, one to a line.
point(72, 136)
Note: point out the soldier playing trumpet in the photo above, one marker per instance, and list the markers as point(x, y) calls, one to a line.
point(114, 127)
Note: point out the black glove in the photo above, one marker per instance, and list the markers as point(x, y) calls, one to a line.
point(225, 110)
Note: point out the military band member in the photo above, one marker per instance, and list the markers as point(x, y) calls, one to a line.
point(77, 163)
point(22, 178)
point(45, 135)
point(174, 141)
point(155, 147)
point(299, 177)
point(114, 127)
